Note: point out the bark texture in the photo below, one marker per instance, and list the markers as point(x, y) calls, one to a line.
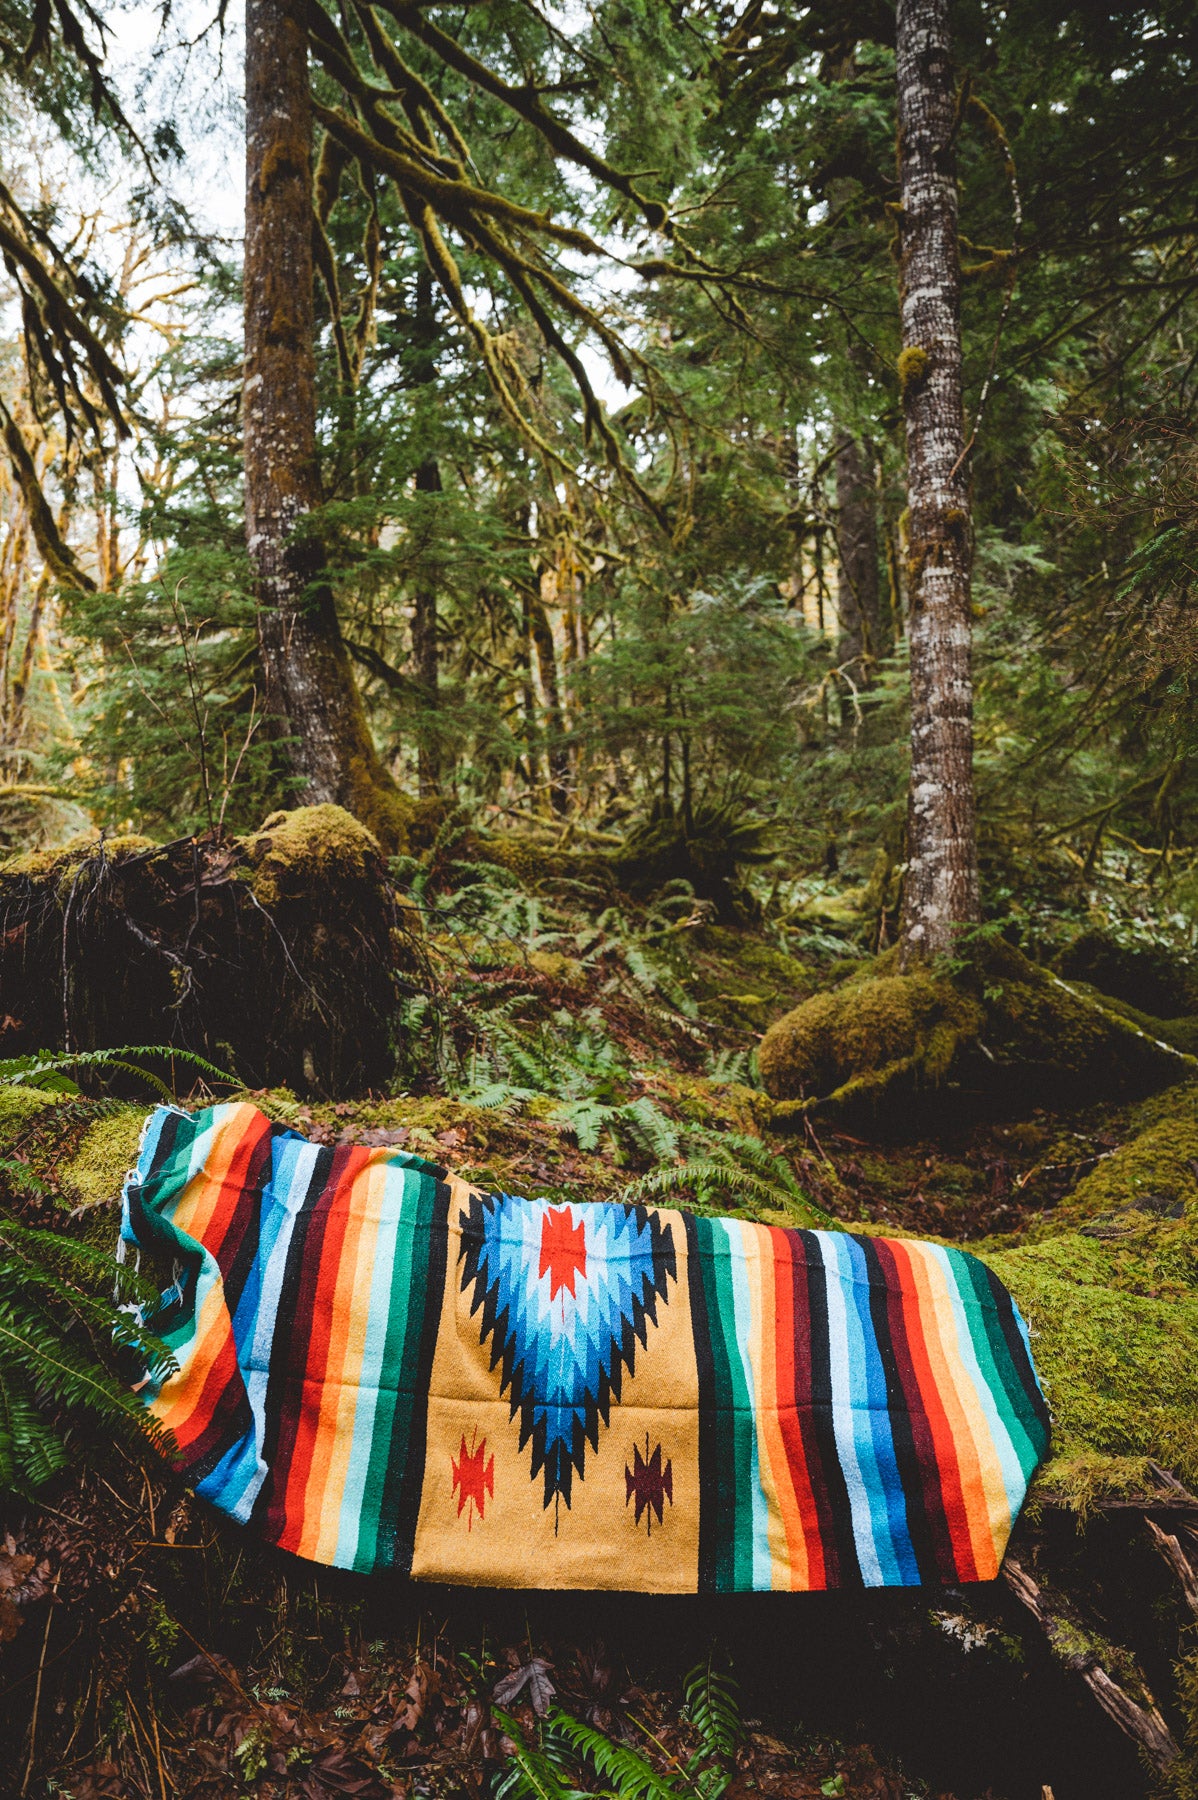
point(857, 568)
point(1087, 1656)
point(425, 655)
point(941, 890)
point(310, 692)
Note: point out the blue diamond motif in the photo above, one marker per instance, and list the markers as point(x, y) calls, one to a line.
point(566, 1294)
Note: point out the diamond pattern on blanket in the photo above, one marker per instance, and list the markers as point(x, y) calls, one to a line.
point(566, 1294)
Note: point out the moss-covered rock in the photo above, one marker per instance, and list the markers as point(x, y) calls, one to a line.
point(1152, 977)
point(868, 1038)
point(994, 1025)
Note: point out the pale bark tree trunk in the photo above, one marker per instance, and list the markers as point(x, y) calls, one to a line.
point(857, 564)
point(941, 888)
point(310, 694)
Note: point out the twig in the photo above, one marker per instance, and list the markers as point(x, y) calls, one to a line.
point(37, 1692)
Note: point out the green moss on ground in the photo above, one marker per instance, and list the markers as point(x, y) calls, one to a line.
point(19, 1106)
point(735, 979)
point(1109, 1288)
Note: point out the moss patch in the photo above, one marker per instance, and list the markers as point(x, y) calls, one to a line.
point(97, 1171)
point(864, 1039)
point(995, 1024)
point(18, 1107)
point(1110, 1292)
point(295, 849)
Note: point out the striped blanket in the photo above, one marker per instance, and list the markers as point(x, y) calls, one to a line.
point(379, 1366)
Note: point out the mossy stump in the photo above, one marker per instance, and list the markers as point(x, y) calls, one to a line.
point(279, 956)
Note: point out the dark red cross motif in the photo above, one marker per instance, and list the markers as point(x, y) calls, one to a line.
point(650, 1483)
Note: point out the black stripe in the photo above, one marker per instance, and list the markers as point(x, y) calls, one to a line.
point(843, 1549)
point(709, 1447)
point(912, 1472)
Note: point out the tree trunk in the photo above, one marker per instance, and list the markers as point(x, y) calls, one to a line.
point(857, 567)
point(310, 695)
point(424, 611)
point(941, 888)
point(559, 756)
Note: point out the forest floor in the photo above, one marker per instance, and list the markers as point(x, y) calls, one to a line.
point(553, 1051)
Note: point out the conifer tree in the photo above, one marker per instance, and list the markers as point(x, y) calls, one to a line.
point(311, 695)
point(941, 890)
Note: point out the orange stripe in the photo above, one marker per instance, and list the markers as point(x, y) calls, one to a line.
point(792, 1571)
point(346, 1278)
point(963, 1457)
point(197, 1205)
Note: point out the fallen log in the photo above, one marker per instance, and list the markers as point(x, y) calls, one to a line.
point(1084, 1653)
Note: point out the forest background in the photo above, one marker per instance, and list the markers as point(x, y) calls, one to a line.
point(461, 645)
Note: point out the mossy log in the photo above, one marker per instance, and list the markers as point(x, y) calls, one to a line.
point(993, 1031)
point(279, 956)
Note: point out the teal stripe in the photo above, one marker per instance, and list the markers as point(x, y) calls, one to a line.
point(1012, 1473)
point(373, 1351)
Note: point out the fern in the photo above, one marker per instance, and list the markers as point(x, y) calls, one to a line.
point(653, 1134)
point(630, 1775)
point(533, 1772)
point(712, 1707)
point(734, 1165)
point(46, 1072)
point(59, 1336)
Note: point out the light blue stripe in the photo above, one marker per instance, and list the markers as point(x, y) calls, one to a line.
point(860, 1343)
point(1014, 1479)
point(843, 1423)
point(291, 1175)
point(889, 1500)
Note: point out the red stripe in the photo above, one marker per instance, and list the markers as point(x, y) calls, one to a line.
point(823, 1528)
point(931, 1408)
point(788, 1416)
point(322, 1262)
point(931, 1494)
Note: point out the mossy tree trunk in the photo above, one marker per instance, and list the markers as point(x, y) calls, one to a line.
point(424, 611)
point(941, 890)
point(310, 694)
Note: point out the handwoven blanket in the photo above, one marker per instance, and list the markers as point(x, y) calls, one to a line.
point(379, 1366)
